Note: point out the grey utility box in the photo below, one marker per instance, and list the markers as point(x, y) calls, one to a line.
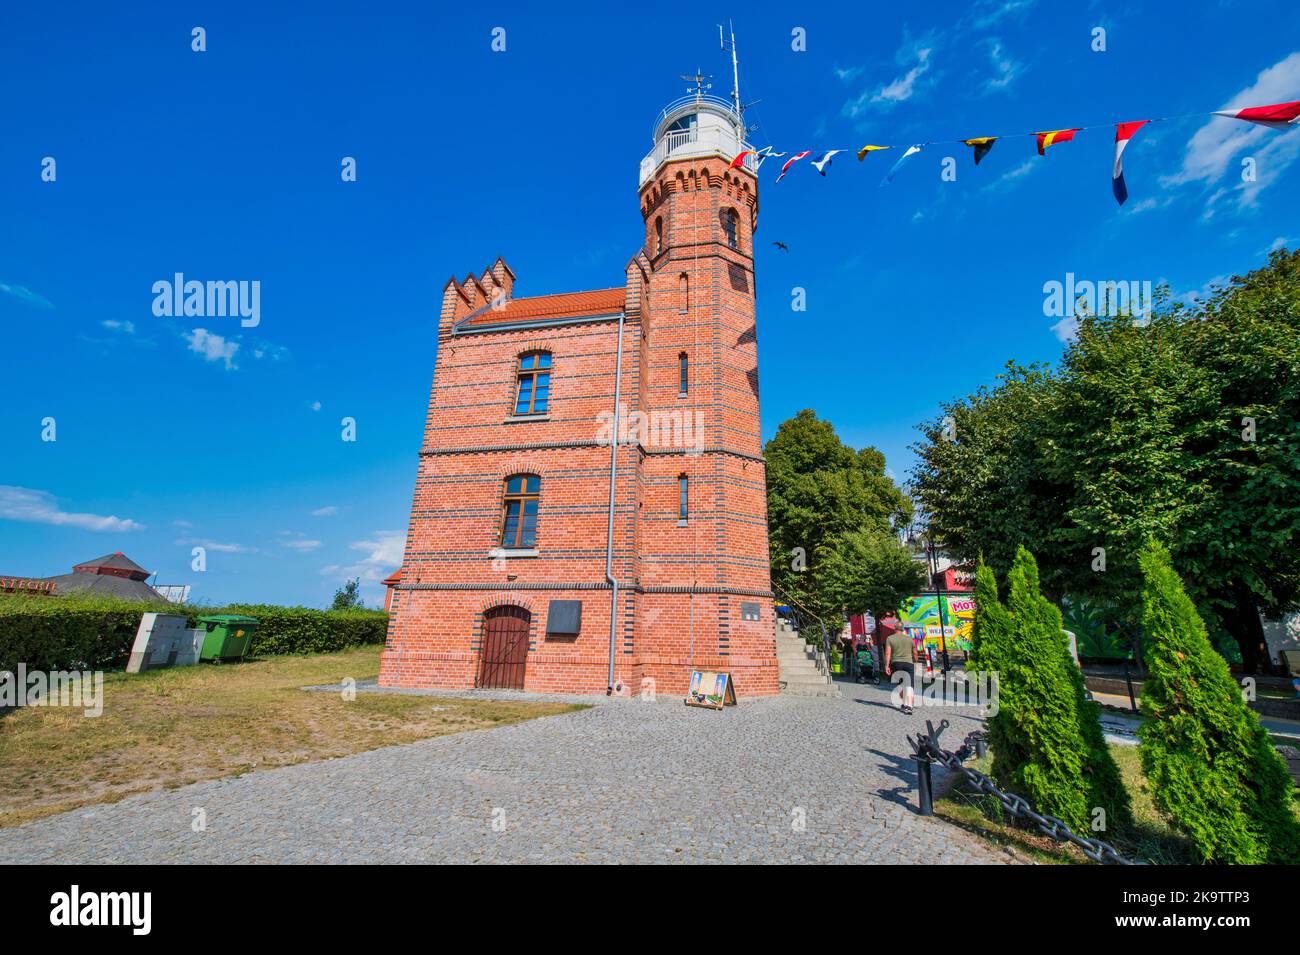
point(164, 640)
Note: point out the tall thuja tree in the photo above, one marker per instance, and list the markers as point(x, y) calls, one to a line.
point(1210, 765)
point(1047, 742)
point(1104, 783)
point(991, 642)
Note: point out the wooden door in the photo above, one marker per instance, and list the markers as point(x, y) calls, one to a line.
point(504, 656)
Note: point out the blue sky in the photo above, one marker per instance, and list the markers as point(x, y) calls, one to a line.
point(226, 165)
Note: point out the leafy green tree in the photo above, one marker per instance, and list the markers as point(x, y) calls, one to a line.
point(1046, 738)
point(820, 492)
point(1210, 765)
point(980, 476)
point(348, 597)
point(871, 571)
point(1183, 426)
point(1245, 344)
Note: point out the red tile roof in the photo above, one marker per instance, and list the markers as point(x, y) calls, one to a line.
point(603, 301)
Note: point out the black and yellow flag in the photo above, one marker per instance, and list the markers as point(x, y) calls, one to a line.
point(981, 145)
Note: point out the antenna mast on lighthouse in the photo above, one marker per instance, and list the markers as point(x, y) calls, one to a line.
point(735, 66)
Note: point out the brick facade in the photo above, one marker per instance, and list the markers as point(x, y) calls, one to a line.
point(683, 586)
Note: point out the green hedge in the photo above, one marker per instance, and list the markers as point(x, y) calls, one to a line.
point(96, 633)
point(303, 630)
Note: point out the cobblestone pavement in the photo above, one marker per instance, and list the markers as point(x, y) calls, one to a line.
point(625, 781)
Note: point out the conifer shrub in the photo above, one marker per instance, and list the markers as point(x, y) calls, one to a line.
point(1046, 738)
point(1211, 767)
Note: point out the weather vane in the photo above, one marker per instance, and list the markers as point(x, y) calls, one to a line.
point(700, 86)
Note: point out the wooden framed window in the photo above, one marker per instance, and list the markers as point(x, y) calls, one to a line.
point(683, 498)
point(683, 373)
point(533, 389)
point(731, 226)
point(519, 511)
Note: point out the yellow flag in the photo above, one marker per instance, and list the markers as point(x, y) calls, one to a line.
point(862, 153)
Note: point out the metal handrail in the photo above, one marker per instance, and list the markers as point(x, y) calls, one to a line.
point(684, 101)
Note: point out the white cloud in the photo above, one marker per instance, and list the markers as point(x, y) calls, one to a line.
point(1204, 292)
point(212, 347)
point(383, 555)
point(300, 544)
point(41, 507)
point(1005, 69)
point(270, 351)
point(218, 546)
point(329, 510)
point(989, 12)
point(1281, 242)
point(26, 295)
point(127, 327)
point(918, 56)
point(1009, 178)
point(315, 406)
point(1066, 328)
point(1216, 144)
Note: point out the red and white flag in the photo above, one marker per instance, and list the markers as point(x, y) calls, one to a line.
point(791, 161)
point(1123, 133)
point(1277, 116)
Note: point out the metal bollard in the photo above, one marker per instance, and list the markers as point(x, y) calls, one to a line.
point(924, 792)
point(981, 747)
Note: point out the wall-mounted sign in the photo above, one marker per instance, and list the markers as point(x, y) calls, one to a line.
point(711, 690)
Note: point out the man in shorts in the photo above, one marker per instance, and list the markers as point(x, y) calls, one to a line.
point(900, 655)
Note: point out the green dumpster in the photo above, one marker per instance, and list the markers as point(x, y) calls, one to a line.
point(228, 636)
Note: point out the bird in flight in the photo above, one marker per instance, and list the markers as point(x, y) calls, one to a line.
point(782, 246)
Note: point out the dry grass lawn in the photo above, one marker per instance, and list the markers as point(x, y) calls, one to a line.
point(168, 728)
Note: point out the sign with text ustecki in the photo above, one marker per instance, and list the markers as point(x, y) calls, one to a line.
point(710, 689)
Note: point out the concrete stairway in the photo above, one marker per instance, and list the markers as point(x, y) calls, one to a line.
point(800, 675)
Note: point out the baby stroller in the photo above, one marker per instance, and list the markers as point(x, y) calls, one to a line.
point(867, 665)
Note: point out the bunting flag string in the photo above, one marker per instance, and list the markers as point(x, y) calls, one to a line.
point(1282, 116)
point(791, 161)
point(1123, 133)
point(1277, 116)
point(825, 161)
point(981, 145)
point(911, 151)
point(1054, 136)
point(862, 153)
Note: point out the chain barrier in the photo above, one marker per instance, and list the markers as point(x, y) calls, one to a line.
point(927, 750)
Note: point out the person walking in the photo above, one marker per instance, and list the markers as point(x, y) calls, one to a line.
point(900, 655)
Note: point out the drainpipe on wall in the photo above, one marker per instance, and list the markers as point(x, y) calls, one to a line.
point(613, 475)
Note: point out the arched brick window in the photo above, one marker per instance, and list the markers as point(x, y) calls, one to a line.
point(659, 235)
point(683, 498)
point(519, 511)
point(533, 383)
point(731, 228)
point(683, 373)
point(684, 288)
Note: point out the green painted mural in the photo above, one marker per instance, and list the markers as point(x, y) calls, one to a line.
point(920, 617)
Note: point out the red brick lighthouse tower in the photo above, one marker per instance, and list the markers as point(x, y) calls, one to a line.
point(590, 510)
